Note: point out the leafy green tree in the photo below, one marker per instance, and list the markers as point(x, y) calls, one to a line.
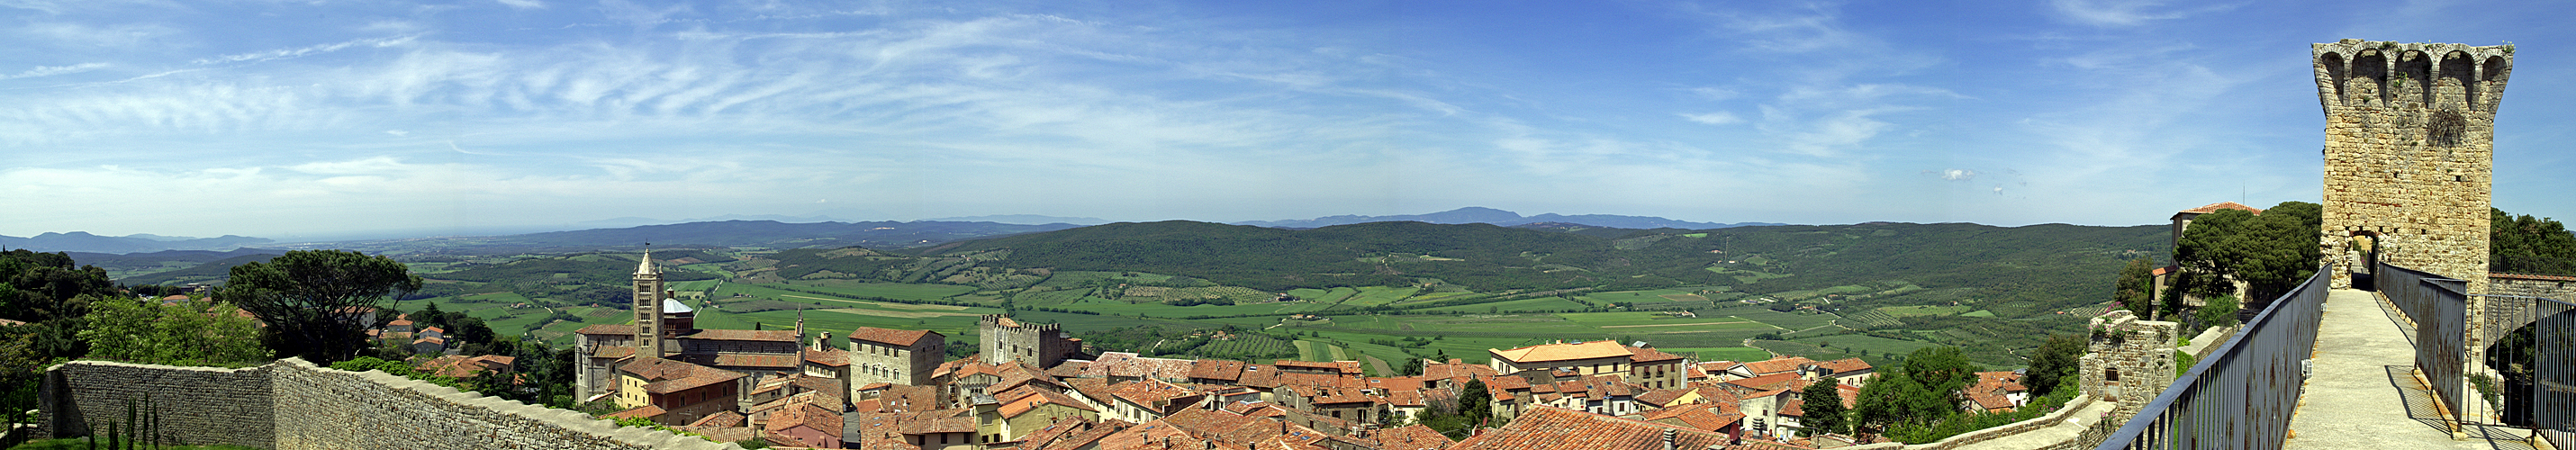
point(1942, 370)
point(1824, 408)
point(2136, 285)
point(2526, 244)
point(2218, 312)
point(1475, 403)
point(2270, 253)
point(312, 299)
point(186, 334)
point(2053, 361)
point(1889, 399)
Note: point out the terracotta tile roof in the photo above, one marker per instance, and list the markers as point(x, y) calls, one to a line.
point(1550, 428)
point(1411, 437)
point(1128, 365)
point(890, 336)
point(1776, 365)
point(1086, 438)
point(667, 376)
point(1148, 392)
point(744, 335)
point(1564, 352)
point(1986, 402)
point(1842, 366)
point(1507, 383)
point(808, 415)
point(1455, 369)
point(460, 366)
point(1098, 389)
point(754, 360)
point(721, 419)
point(1663, 397)
point(1069, 368)
point(2215, 207)
point(1066, 430)
point(1398, 383)
point(1216, 369)
point(832, 357)
point(2004, 381)
point(1034, 398)
point(1408, 399)
point(1697, 417)
point(608, 329)
point(1642, 355)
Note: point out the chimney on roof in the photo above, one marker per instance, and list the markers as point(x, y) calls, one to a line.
point(1668, 439)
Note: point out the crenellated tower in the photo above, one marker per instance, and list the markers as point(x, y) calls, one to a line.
point(2409, 151)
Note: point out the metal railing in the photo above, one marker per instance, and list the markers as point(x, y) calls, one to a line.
point(2240, 396)
point(2438, 306)
point(2534, 358)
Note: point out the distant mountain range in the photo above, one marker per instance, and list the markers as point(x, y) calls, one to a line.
point(79, 241)
point(1478, 214)
point(787, 231)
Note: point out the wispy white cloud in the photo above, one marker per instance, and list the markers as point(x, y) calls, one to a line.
point(47, 71)
point(305, 51)
point(1713, 118)
point(2128, 13)
point(523, 4)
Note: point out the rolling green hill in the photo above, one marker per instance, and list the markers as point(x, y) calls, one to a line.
point(2025, 270)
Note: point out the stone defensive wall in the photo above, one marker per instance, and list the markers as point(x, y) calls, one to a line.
point(292, 404)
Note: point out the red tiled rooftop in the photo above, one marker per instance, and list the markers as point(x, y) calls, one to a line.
point(890, 336)
point(1550, 428)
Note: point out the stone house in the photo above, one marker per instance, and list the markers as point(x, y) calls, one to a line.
point(885, 355)
point(1149, 400)
point(1002, 340)
point(683, 391)
point(804, 425)
point(1027, 410)
point(1847, 371)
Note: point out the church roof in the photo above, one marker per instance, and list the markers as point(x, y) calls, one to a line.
point(646, 266)
point(670, 306)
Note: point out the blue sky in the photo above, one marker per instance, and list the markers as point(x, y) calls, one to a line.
point(329, 118)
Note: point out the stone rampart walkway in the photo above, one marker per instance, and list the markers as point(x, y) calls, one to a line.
point(2364, 393)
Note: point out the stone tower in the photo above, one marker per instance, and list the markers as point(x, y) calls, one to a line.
point(2409, 147)
point(1042, 344)
point(648, 308)
point(2127, 361)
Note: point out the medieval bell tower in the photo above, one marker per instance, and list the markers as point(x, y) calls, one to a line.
point(2408, 152)
point(648, 308)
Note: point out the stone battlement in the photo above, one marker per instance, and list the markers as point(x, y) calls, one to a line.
point(292, 404)
point(2409, 149)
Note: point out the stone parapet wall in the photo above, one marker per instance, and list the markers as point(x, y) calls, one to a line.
point(2067, 428)
point(2562, 288)
point(292, 404)
point(197, 405)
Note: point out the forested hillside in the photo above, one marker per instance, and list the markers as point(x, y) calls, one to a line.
point(2029, 269)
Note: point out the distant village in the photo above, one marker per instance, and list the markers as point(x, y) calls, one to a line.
point(1032, 387)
